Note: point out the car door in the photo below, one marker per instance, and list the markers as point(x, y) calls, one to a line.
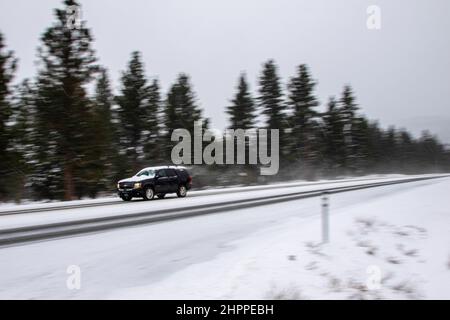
point(161, 183)
point(172, 182)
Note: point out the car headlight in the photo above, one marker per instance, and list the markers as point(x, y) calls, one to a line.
point(118, 186)
point(137, 185)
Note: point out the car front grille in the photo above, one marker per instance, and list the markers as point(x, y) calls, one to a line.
point(126, 185)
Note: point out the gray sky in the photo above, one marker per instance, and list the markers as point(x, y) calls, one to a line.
point(400, 73)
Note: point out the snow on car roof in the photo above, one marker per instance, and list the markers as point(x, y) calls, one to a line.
point(164, 167)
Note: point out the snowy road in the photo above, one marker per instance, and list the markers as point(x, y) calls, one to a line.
point(13, 209)
point(46, 215)
point(116, 260)
point(152, 212)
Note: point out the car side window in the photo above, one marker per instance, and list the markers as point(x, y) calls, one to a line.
point(171, 173)
point(162, 173)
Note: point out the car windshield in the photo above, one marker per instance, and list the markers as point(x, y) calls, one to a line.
point(148, 173)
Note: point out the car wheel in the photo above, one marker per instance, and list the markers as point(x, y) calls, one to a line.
point(148, 194)
point(161, 195)
point(182, 191)
point(126, 197)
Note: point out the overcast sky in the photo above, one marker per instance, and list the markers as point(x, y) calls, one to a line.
point(400, 73)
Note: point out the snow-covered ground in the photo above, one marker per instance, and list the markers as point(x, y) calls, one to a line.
point(401, 231)
point(392, 247)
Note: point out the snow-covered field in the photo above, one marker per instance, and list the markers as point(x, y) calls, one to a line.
point(399, 233)
point(391, 247)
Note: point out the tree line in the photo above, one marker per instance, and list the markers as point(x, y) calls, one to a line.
point(59, 141)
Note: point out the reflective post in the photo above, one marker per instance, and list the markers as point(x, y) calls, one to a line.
point(325, 218)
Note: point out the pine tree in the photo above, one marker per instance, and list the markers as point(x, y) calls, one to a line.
point(406, 150)
point(181, 108)
point(271, 96)
point(361, 137)
point(7, 69)
point(333, 137)
point(68, 66)
point(181, 111)
point(152, 133)
point(302, 101)
point(24, 138)
point(242, 111)
point(430, 152)
point(270, 101)
point(348, 110)
point(348, 104)
point(133, 113)
point(242, 116)
point(102, 154)
point(375, 147)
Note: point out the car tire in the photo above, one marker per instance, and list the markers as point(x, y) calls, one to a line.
point(161, 195)
point(181, 191)
point(149, 194)
point(126, 198)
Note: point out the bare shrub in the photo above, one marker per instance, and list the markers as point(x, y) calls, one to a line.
point(289, 293)
point(406, 288)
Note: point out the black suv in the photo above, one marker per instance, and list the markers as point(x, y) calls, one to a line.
point(157, 181)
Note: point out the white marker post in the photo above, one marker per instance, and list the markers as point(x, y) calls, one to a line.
point(325, 218)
